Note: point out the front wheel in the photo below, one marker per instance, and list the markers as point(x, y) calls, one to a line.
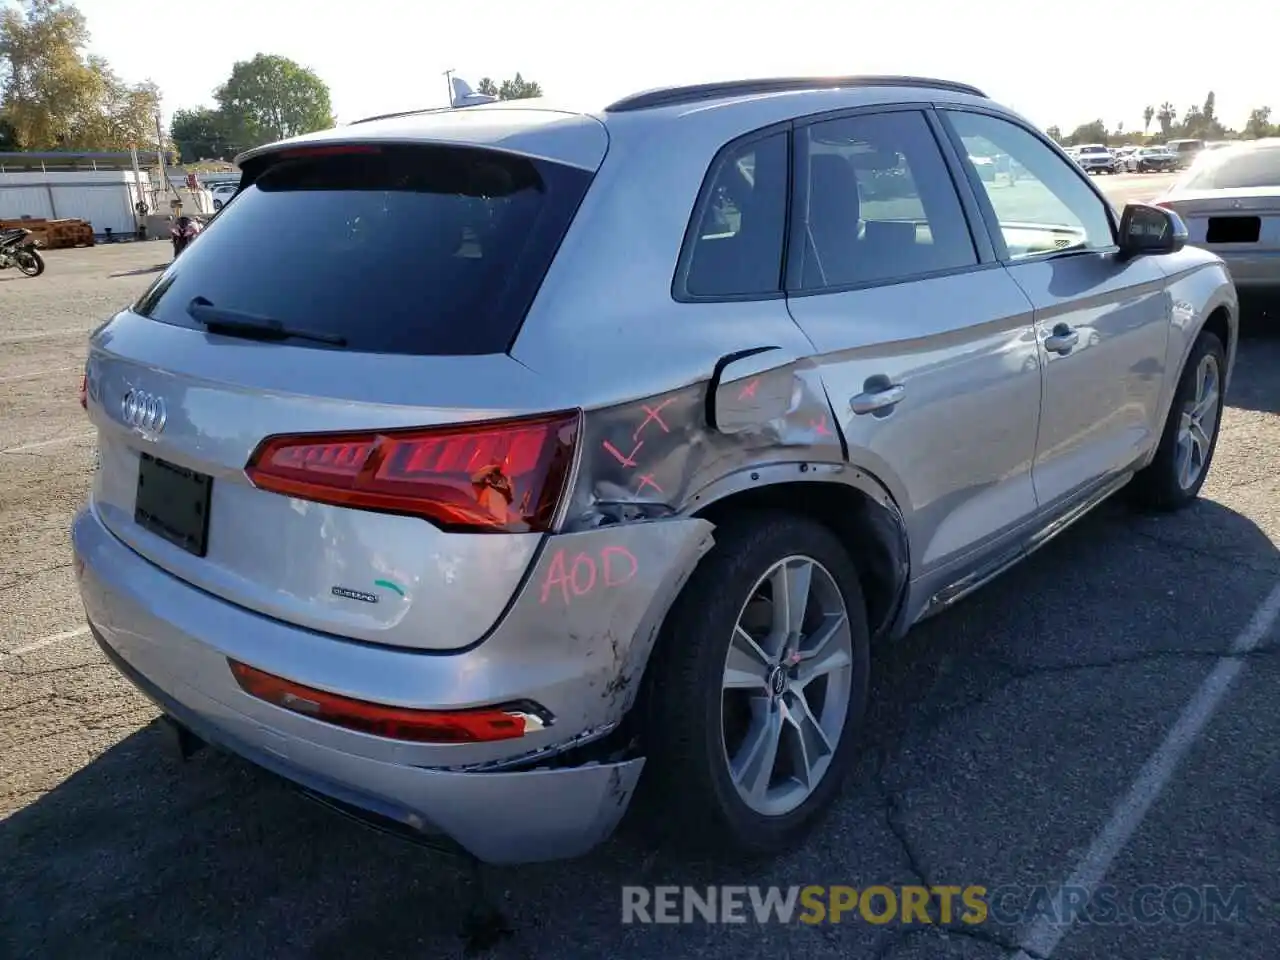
point(1174, 478)
point(757, 687)
point(29, 262)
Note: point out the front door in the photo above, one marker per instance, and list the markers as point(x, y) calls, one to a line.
point(925, 344)
point(1102, 323)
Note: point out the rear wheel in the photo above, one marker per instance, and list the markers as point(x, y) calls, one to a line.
point(29, 262)
point(757, 687)
point(1174, 478)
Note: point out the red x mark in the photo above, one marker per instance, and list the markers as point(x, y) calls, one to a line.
point(646, 480)
point(652, 415)
point(625, 460)
point(749, 391)
point(820, 427)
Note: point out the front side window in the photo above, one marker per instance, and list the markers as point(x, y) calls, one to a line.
point(1048, 207)
point(881, 205)
point(736, 246)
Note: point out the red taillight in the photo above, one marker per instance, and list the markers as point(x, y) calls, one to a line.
point(84, 392)
point(503, 476)
point(481, 725)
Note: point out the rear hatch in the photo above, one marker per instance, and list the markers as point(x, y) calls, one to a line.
point(311, 413)
point(1243, 218)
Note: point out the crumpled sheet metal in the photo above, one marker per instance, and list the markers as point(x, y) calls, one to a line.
point(648, 458)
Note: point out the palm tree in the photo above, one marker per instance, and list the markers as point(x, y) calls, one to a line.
point(1147, 113)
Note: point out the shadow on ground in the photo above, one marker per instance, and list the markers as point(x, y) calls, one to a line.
point(141, 271)
point(139, 855)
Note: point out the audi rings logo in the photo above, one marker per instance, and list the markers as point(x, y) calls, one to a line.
point(143, 411)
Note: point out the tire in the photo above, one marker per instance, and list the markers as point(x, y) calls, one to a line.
point(29, 262)
point(1162, 485)
point(691, 725)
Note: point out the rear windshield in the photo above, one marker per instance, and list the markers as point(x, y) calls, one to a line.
point(409, 250)
point(1243, 169)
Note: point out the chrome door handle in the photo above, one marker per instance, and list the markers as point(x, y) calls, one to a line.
point(1062, 339)
point(878, 398)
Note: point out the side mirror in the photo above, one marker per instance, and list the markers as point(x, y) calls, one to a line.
point(1145, 228)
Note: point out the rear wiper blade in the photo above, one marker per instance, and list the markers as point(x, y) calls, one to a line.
point(235, 323)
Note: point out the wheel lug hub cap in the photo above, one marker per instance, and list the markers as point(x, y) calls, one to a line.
point(777, 682)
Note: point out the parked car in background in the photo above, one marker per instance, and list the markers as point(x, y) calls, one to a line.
point(543, 450)
point(1151, 160)
point(1230, 202)
point(1186, 150)
point(222, 192)
point(986, 167)
point(1095, 158)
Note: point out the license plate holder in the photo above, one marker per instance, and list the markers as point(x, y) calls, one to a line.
point(173, 502)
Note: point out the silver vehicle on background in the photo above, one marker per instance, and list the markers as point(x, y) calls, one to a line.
point(552, 446)
point(1230, 202)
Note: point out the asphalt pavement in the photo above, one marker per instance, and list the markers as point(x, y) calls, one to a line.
point(1102, 716)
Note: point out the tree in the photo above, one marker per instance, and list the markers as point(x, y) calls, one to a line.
point(269, 98)
point(1054, 134)
point(56, 97)
point(201, 134)
point(1095, 132)
point(1259, 124)
point(1148, 112)
point(518, 88)
point(1165, 117)
point(8, 134)
point(487, 87)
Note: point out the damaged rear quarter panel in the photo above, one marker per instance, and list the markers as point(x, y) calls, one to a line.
point(651, 457)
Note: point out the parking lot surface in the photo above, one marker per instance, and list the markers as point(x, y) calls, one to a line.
point(1104, 713)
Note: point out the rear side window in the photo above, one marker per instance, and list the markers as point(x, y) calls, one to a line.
point(735, 246)
point(881, 204)
point(403, 250)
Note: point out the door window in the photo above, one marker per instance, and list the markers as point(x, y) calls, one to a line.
point(881, 206)
point(1041, 205)
point(737, 244)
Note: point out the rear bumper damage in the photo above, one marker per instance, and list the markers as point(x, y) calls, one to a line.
point(575, 641)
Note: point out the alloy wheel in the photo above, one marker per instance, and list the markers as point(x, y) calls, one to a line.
point(787, 685)
point(1198, 421)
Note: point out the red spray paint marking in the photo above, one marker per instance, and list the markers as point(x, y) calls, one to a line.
point(819, 427)
point(652, 414)
point(749, 391)
point(583, 573)
point(646, 480)
point(625, 460)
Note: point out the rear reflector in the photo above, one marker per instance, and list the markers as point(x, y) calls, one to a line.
point(504, 476)
point(483, 725)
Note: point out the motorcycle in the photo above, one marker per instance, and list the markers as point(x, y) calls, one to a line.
point(16, 250)
point(184, 230)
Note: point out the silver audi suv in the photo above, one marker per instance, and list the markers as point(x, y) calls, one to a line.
point(478, 466)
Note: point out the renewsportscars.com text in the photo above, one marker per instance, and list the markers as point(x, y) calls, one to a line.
point(1010, 905)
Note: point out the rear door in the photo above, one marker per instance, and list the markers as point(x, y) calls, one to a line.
point(925, 344)
point(1102, 323)
point(253, 404)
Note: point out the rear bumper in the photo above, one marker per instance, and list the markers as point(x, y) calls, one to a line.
point(1253, 272)
point(576, 659)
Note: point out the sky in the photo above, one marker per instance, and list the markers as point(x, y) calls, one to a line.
point(1057, 64)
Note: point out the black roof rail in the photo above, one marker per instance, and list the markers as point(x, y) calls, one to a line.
point(672, 96)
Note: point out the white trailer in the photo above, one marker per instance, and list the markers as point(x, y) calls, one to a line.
point(107, 199)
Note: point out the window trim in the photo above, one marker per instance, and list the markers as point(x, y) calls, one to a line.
point(976, 227)
point(990, 219)
point(679, 280)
